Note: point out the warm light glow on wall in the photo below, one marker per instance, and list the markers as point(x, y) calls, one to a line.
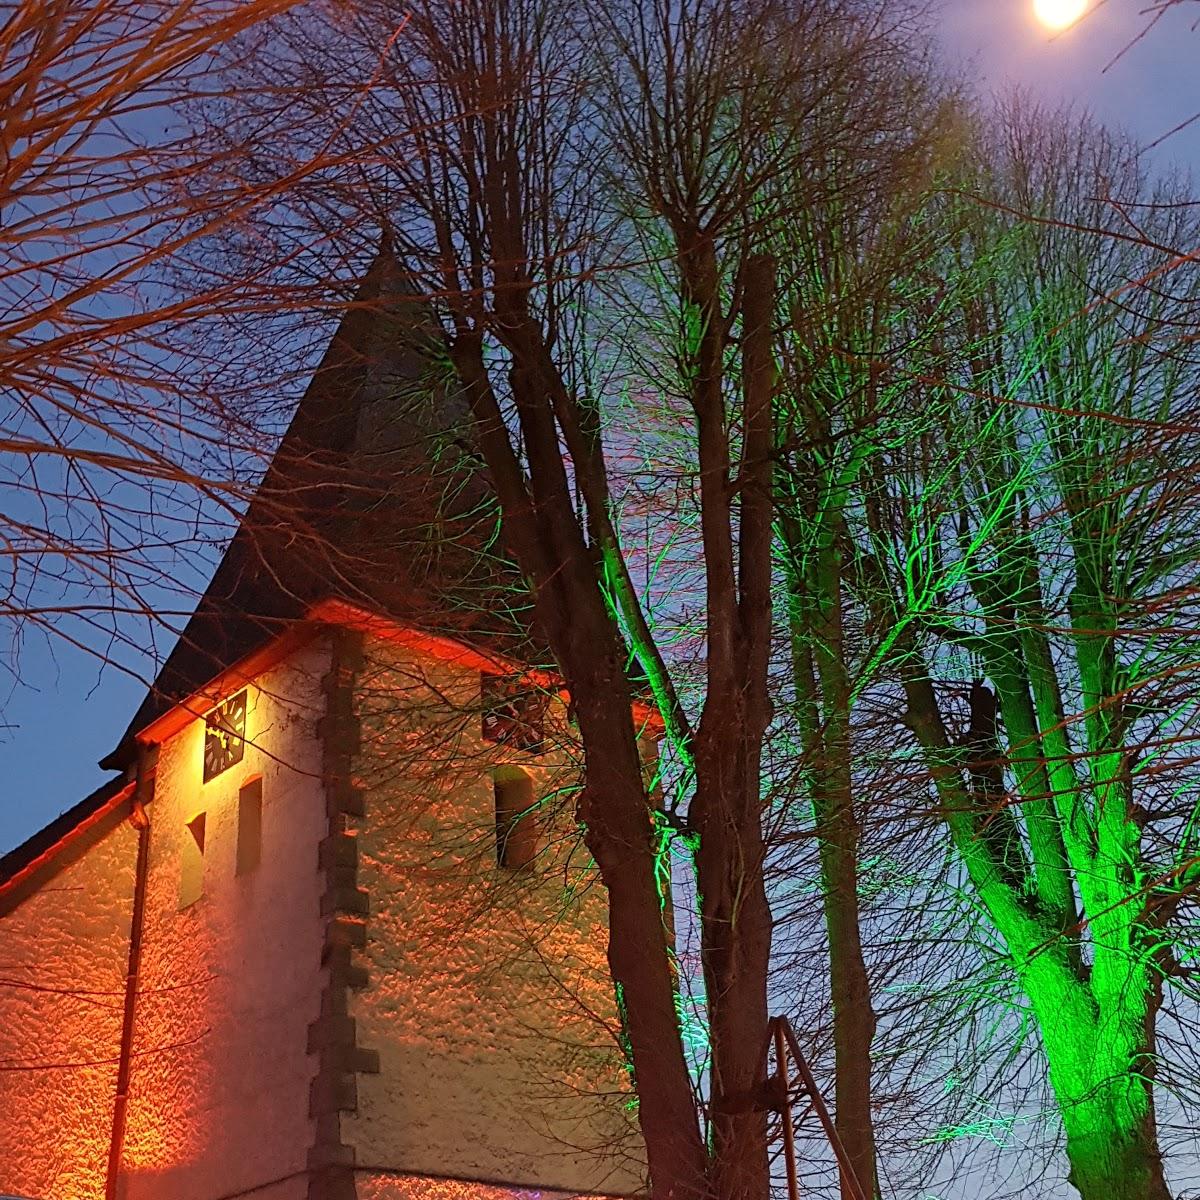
point(60, 1036)
point(466, 1011)
point(465, 999)
point(377, 1186)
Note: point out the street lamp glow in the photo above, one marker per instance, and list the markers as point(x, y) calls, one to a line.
point(1059, 14)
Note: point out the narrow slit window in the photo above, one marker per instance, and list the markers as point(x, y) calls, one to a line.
point(516, 821)
point(249, 826)
point(191, 862)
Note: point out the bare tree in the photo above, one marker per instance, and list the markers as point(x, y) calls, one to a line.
point(1031, 570)
point(570, 187)
point(114, 465)
point(857, 297)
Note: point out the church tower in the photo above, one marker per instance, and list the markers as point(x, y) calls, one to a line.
point(330, 933)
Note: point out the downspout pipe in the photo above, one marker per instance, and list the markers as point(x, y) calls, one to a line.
point(143, 794)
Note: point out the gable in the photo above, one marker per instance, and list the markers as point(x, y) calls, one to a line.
point(64, 841)
point(372, 497)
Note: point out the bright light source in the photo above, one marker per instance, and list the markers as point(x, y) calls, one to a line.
point(1058, 14)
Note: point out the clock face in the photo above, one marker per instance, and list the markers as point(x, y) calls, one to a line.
point(513, 713)
point(224, 736)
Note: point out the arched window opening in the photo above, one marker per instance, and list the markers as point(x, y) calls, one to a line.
point(516, 821)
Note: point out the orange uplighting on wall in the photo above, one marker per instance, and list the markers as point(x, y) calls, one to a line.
point(375, 1185)
point(222, 1075)
point(474, 932)
point(61, 997)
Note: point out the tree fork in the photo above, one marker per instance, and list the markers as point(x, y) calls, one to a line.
point(735, 914)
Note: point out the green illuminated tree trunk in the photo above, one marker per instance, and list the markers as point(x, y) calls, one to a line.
point(1095, 1021)
point(1098, 1067)
point(1097, 1017)
point(1028, 546)
point(1032, 847)
point(823, 695)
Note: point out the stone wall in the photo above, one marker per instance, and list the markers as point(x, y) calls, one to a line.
point(63, 963)
point(486, 997)
point(219, 1099)
point(363, 1004)
point(378, 1186)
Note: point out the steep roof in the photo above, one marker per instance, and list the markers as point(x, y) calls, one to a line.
point(372, 500)
point(372, 497)
point(63, 841)
point(374, 514)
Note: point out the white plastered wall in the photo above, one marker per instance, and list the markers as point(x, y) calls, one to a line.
point(489, 1000)
point(219, 1095)
point(63, 962)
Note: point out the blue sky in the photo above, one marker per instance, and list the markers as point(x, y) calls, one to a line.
point(1152, 87)
point(60, 710)
point(66, 711)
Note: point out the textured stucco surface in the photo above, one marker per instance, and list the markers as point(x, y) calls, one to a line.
point(63, 962)
point(489, 1001)
point(219, 1092)
point(374, 1186)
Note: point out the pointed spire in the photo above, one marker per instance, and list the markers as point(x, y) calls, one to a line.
point(373, 496)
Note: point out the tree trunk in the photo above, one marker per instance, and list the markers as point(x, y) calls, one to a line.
point(618, 833)
point(824, 694)
point(839, 834)
point(726, 809)
point(614, 808)
point(1099, 1042)
point(825, 723)
point(850, 985)
point(1111, 1143)
point(736, 929)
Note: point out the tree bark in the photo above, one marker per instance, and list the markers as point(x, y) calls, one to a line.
point(618, 833)
point(824, 692)
point(1111, 1144)
point(614, 808)
point(839, 834)
point(726, 808)
point(1096, 1024)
